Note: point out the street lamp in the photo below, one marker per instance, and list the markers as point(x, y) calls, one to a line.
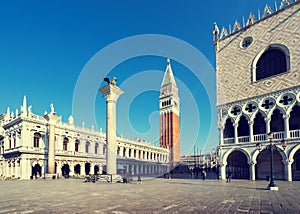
point(271, 146)
point(272, 185)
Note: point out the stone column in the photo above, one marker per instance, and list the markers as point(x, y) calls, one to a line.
point(221, 137)
point(251, 139)
point(288, 170)
point(236, 139)
point(52, 120)
point(268, 126)
point(252, 170)
point(222, 171)
point(286, 126)
point(111, 93)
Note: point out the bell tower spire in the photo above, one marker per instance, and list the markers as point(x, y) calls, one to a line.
point(170, 115)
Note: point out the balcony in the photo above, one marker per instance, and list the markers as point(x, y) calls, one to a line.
point(294, 134)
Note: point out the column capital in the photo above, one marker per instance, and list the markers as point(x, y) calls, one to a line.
point(111, 92)
point(251, 122)
point(288, 162)
point(252, 162)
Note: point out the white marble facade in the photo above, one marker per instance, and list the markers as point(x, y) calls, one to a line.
point(24, 149)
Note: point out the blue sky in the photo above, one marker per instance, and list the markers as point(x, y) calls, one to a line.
point(45, 47)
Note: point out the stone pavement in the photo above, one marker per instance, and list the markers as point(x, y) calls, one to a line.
point(152, 196)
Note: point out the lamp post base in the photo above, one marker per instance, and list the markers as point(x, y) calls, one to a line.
point(274, 188)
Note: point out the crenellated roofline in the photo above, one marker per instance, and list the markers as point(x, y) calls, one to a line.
point(237, 27)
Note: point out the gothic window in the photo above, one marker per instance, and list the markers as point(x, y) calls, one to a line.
point(277, 123)
point(65, 144)
point(36, 140)
point(236, 111)
point(229, 130)
point(96, 148)
point(246, 42)
point(286, 100)
point(295, 118)
point(259, 126)
point(243, 128)
point(273, 61)
point(251, 107)
point(77, 145)
point(87, 146)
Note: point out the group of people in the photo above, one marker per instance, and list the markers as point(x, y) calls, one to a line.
point(228, 175)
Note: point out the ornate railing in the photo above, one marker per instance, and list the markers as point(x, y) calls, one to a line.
point(295, 134)
point(229, 140)
point(278, 136)
point(244, 139)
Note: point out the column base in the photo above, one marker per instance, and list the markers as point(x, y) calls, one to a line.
point(51, 176)
point(110, 178)
point(275, 188)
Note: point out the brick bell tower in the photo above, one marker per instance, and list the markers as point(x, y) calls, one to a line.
point(169, 116)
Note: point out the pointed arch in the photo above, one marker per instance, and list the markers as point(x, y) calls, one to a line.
point(259, 125)
point(293, 151)
point(272, 60)
point(294, 121)
point(228, 128)
point(277, 121)
point(243, 127)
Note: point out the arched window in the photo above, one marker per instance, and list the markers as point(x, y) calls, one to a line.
point(65, 144)
point(96, 148)
point(87, 146)
point(77, 142)
point(273, 61)
point(36, 140)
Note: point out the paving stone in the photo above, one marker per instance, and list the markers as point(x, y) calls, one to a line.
point(153, 196)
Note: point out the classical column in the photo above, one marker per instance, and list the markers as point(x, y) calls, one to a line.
point(268, 126)
point(223, 171)
point(252, 170)
point(288, 170)
point(52, 120)
point(251, 131)
point(221, 135)
point(236, 139)
point(286, 125)
point(111, 93)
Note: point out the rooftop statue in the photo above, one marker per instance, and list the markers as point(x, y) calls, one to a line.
point(52, 109)
point(113, 81)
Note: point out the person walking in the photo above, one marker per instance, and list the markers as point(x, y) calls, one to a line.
point(139, 180)
point(229, 174)
point(203, 174)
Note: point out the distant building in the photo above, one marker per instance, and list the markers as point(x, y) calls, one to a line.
point(24, 148)
point(258, 91)
point(205, 161)
point(170, 116)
